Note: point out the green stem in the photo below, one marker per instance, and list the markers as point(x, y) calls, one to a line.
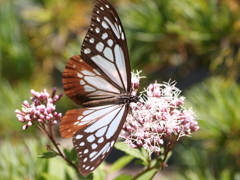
point(158, 166)
point(143, 172)
point(59, 152)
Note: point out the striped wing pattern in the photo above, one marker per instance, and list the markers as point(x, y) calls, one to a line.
point(109, 53)
point(95, 141)
point(83, 83)
point(101, 72)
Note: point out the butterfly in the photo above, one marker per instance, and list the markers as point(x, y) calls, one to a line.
point(99, 79)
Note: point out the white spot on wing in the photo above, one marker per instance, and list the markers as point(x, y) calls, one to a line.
point(101, 131)
point(88, 73)
point(112, 143)
point(80, 117)
point(119, 28)
point(101, 140)
point(88, 88)
point(76, 123)
point(94, 146)
point(90, 138)
point(96, 72)
point(79, 136)
point(82, 82)
point(87, 112)
point(99, 46)
point(85, 160)
point(108, 54)
point(123, 37)
point(97, 30)
point(79, 75)
point(92, 154)
point(87, 51)
point(110, 42)
point(104, 36)
point(104, 24)
point(120, 61)
point(82, 144)
point(82, 123)
point(113, 27)
point(91, 40)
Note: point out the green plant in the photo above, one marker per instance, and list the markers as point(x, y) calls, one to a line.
point(216, 150)
point(19, 159)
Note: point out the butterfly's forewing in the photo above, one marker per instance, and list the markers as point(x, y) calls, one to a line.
point(101, 72)
point(83, 83)
point(105, 47)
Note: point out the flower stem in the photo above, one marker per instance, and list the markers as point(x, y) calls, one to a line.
point(143, 172)
point(59, 152)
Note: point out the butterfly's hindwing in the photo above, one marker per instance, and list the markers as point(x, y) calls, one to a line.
point(95, 141)
point(105, 47)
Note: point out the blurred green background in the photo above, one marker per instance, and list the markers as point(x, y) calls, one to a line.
point(195, 43)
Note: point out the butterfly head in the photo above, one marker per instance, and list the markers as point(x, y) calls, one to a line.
point(134, 99)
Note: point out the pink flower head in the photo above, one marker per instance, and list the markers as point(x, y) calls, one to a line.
point(160, 119)
point(41, 111)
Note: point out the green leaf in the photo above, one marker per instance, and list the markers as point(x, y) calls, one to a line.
point(121, 162)
point(47, 155)
point(50, 177)
point(100, 173)
point(123, 177)
point(67, 176)
point(88, 177)
point(139, 162)
point(71, 155)
point(133, 152)
point(168, 156)
point(144, 152)
point(147, 175)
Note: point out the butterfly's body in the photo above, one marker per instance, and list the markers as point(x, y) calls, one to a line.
point(99, 80)
point(121, 99)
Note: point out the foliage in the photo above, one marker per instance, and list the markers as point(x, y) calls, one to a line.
point(19, 160)
point(11, 97)
point(16, 58)
point(217, 153)
point(183, 36)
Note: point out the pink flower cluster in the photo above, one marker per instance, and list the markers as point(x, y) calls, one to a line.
point(41, 111)
point(158, 119)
